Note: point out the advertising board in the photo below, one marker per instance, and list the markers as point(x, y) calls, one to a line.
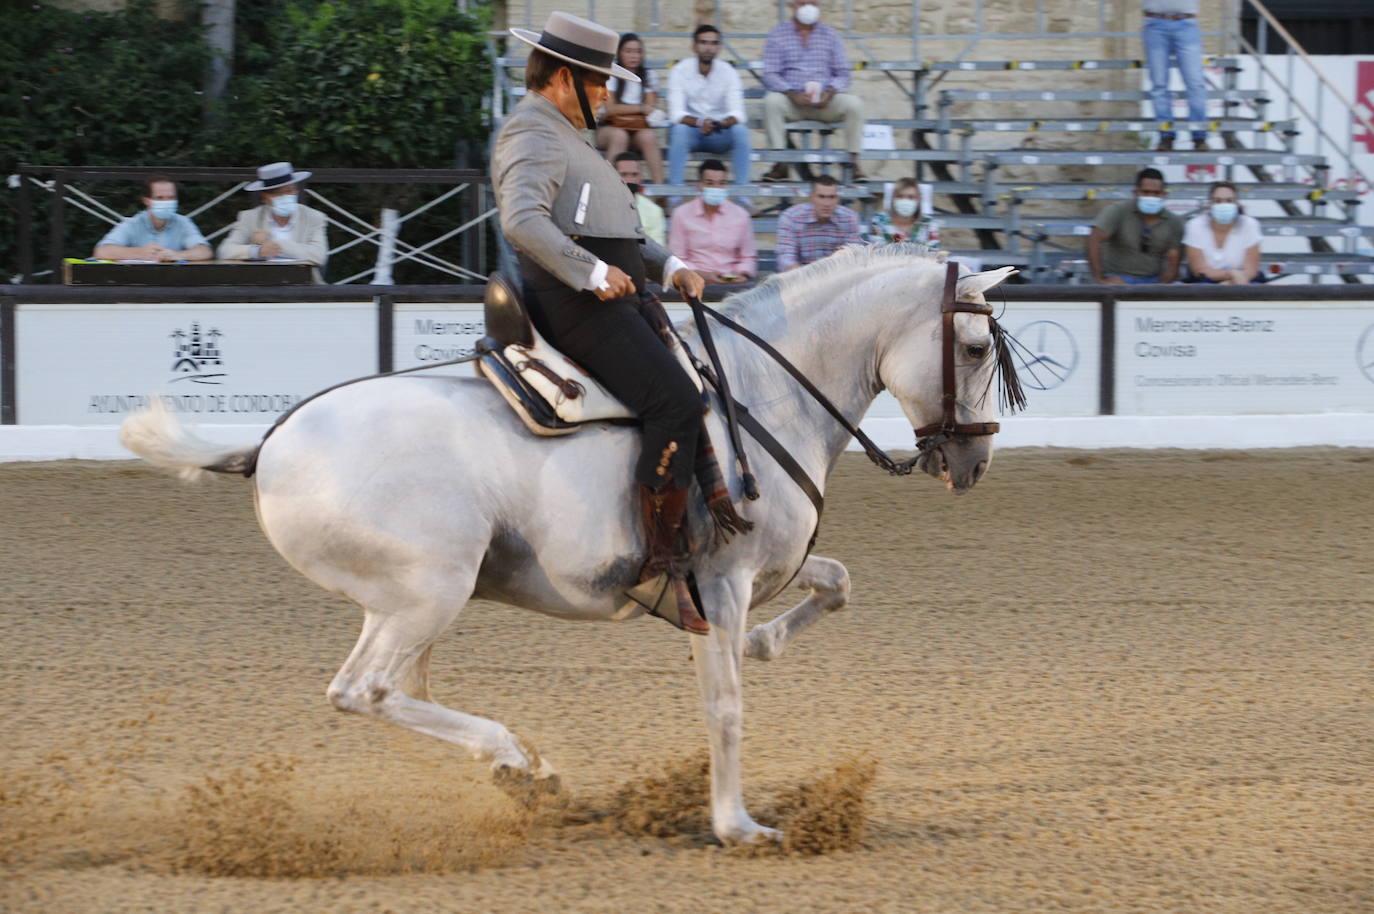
point(92, 364)
point(1231, 358)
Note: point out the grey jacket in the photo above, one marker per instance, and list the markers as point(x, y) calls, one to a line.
point(551, 184)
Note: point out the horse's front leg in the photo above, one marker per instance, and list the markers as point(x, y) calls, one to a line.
point(828, 582)
point(719, 656)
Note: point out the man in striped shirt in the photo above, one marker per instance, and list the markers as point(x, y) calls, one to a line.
point(806, 71)
point(815, 229)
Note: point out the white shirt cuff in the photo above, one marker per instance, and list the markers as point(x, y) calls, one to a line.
point(598, 277)
point(672, 266)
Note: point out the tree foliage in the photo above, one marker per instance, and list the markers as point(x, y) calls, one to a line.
point(341, 83)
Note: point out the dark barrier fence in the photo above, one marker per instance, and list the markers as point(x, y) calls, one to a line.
point(386, 298)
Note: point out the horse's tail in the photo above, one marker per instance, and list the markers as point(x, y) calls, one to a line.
point(156, 435)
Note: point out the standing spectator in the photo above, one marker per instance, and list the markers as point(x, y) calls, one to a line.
point(1223, 244)
point(712, 235)
point(157, 233)
point(806, 71)
point(815, 229)
point(650, 213)
point(706, 108)
point(1137, 242)
point(279, 227)
point(626, 121)
point(1171, 35)
point(905, 222)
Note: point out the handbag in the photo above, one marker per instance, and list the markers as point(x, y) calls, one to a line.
point(628, 121)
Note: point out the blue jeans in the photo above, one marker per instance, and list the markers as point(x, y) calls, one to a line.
point(683, 139)
point(1176, 41)
point(1135, 280)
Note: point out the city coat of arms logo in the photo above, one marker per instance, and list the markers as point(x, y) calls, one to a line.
point(196, 355)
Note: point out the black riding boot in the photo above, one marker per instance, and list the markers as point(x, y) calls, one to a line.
point(661, 511)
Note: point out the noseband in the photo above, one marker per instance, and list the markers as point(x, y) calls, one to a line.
point(937, 433)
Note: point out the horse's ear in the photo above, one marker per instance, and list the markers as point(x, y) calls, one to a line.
point(975, 284)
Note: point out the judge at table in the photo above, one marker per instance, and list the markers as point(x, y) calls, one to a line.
point(158, 233)
point(280, 227)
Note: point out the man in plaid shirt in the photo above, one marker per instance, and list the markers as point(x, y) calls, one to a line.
point(815, 229)
point(806, 71)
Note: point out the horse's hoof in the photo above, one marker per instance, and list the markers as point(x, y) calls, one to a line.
point(753, 836)
point(525, 787)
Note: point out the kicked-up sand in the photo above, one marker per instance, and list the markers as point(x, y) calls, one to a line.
point(1100, 682)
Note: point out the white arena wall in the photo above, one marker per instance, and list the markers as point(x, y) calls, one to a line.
point(1107, 368)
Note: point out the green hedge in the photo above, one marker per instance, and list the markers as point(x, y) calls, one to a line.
point(349, 83)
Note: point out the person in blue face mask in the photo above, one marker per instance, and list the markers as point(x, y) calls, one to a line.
point(280, 227)
point(711, 234)
point(158, 233)
point(1222, 243)
point(1137, 241)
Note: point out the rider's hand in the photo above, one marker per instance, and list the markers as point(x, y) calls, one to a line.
point(688, 283)
point(618, 284)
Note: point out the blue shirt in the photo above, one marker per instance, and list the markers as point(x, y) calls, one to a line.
point(178, 233)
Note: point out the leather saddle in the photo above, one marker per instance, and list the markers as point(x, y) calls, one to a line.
point(550, 392)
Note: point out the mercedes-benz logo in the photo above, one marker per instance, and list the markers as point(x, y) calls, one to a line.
point(1364, 353)
point(1052, 356)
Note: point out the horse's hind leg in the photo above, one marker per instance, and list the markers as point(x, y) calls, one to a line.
point(387, 674)
point(828, 582)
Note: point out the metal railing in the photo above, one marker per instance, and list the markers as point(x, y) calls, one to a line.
point(470, 188)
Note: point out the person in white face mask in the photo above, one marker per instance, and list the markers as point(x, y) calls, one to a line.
point(711, 234)
point(905, 221)
point(1137, 241)
point(158, 233)
point(1222, 243)
point(806, 72)
point(280, 227)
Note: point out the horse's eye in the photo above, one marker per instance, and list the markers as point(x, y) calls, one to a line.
point(976, 352)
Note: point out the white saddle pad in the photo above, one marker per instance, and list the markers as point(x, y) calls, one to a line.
point(592, 402)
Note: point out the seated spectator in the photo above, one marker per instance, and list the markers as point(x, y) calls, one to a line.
point(650, 213)
point(712, 235)
point(905, 221)
point(806, 70)
point(157, 233)
point(280, 227)
point(706, 109)
point(1223, 244)
point(815, 229)
point(625, 123)
point(1137, 241)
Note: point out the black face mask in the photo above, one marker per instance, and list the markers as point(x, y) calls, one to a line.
point(635, 188)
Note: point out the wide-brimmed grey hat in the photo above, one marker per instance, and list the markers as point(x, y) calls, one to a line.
point(580, 42)
point(276, 175)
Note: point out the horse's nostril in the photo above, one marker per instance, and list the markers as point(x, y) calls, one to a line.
point(979, 470)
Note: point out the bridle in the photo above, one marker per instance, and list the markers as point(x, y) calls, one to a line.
point(928, 437)
point(937, 433)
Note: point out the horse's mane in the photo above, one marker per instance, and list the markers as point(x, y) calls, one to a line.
point(851, 257)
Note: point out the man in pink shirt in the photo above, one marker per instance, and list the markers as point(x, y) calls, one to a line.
point(712, 235)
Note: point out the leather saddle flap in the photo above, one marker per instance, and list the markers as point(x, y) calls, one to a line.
point(523, 365)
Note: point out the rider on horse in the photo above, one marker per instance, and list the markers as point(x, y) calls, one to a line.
point(584, 259)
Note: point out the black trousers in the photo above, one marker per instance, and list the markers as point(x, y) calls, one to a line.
point(616, 342)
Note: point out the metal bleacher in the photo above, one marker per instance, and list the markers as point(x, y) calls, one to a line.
point(1005, 196)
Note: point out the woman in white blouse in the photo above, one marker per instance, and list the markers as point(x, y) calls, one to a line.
point(625, 121)
point(1223, 243)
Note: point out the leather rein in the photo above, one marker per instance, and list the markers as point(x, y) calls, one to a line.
point(928, 437)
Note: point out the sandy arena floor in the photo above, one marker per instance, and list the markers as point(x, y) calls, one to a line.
point(1106, 681)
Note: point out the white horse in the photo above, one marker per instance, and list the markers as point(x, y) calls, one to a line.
point(412, 494)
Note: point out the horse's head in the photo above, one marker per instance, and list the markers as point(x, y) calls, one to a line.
point(912, 366)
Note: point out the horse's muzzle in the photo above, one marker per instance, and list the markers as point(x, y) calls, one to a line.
point(960, 461)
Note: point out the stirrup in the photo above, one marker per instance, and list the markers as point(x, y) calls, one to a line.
point(657, 597)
